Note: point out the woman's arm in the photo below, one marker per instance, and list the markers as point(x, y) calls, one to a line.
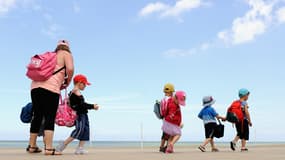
point(69, 66)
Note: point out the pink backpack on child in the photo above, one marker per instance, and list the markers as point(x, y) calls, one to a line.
point(65, 115)
point(41, 66)
point(164, 106)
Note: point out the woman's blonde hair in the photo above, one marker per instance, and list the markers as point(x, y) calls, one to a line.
point(62, 47)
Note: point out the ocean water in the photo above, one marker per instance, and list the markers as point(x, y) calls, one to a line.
point(136, 144)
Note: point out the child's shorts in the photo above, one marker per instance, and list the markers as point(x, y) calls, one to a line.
point(243, 130)
point(82, 131)
point(210, 130)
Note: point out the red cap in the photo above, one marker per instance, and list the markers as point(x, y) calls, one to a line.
point(81, 78)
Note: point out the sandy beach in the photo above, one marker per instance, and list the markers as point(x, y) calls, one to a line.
point(260, 152)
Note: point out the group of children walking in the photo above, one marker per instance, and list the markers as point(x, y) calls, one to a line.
point(172, 120)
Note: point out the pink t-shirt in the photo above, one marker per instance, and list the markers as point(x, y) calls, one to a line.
point(53, 84)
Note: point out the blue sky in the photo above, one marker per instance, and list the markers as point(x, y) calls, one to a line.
point(130, 49)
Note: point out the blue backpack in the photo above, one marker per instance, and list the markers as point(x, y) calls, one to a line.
point(27, 113)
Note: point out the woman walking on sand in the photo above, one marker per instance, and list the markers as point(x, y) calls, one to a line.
point(45, 98)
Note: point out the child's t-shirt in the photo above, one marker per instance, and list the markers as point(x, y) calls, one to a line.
point(208, 115)
point(173, 113)
point(78, 104)
point(243, 105)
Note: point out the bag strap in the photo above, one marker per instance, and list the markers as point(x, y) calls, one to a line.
point(60, 70)
point(63, 100)
point(219, 121)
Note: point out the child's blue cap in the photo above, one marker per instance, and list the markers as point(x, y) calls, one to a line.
point(243, 92)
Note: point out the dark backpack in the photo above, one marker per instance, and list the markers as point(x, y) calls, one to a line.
point(27, 113)
point(160, 108)
point(235, 113)
point(156, 110)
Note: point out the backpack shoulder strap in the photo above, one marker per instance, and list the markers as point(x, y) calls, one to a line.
point(60, 70)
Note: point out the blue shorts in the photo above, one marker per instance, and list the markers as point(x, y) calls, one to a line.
point(82, 131)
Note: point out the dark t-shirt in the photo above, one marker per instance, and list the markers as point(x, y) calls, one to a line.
point(78, 104)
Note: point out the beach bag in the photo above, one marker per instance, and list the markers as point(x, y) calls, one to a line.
point(160, 108)
point(41, 66)
point(65, 115)
point(27, 113)
point(235, 113)
point(219, 130)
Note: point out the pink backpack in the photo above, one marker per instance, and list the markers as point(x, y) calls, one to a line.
point(164, 106)
point(65, 115)
point(41, 66)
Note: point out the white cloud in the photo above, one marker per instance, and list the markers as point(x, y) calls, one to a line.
point(76, 7)
point(255, 22)
point(152, 8)
point(52, 31)
point(6, 6)
point(180, 7)
point(280, 13)
point(166, 10)
point(179, 52)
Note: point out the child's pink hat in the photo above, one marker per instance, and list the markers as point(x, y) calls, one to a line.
point(181, 97)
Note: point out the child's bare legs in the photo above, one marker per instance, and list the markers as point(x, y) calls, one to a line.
point(235, 139)
point(234, 142)
point(243, 143)
point(68, 140)
point(174, 139)
point(214, 149)
point(206, 142)
point(81, 144)
point(80, 148)
point(171, 141)
point(162, 144)
point(63, 145)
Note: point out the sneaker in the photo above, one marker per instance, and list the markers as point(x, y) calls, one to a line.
point(169, 149)
point(60, 147)
point(80, 150)
point(233, 146)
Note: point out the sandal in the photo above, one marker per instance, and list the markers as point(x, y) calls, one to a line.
point(215, 150)
point(233, 146)
point(162, 149)
point(244, 150)
point(203, 149)
point(33, 149)
point(169, 149)
point(51, 152)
